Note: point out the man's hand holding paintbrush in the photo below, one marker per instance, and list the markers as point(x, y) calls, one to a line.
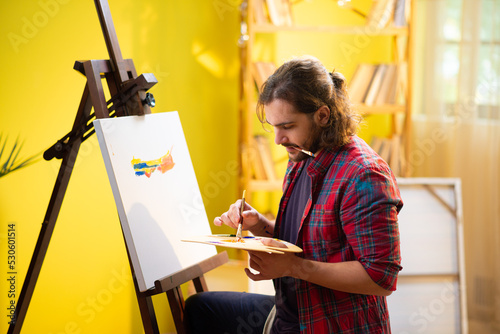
point(250, 219)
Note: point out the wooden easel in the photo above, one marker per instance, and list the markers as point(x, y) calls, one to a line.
point(129, 97)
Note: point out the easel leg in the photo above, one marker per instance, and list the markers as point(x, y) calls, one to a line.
point(147, 314)
point(146, 306)
point(200, 284)
point(49, 221)
point(176, 302)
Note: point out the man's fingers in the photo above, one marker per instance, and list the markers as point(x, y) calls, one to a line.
point(273, 243)
point(254, 277)
point(253, 262)
point(224, 219)
point(232, 217)
point(233, 214)
point(217, 221)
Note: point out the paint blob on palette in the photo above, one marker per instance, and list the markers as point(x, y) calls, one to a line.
point(249, 243)
point(162, 164)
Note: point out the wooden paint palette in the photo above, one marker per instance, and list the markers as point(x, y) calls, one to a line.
point(249, 243)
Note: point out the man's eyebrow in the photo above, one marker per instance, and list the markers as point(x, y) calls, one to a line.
point(279, 124)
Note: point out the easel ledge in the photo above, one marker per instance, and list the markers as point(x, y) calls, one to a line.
point(194, 273)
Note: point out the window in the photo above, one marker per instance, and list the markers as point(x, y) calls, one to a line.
point(471, 49)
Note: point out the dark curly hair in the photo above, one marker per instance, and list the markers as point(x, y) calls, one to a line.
point(306, 84)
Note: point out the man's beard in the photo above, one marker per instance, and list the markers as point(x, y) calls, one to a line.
point(313, 146)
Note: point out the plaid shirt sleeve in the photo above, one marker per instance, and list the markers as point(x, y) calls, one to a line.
point(369, 219)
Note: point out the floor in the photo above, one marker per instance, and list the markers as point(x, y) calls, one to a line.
point(228, 277)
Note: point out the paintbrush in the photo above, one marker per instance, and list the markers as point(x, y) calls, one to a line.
point(240, 224)
point(304, 151)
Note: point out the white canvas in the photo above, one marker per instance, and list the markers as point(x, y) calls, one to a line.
point(426, 225)
point(431, 296)
point(425, 306)
point(161, 207)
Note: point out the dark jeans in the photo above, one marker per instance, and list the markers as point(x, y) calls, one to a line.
point(227, 312)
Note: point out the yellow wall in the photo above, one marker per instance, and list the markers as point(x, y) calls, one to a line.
point(191, 47)
point(85, 284)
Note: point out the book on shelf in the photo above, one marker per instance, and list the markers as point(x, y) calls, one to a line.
point(391, 151)
point(374, 84)
point(260, 159)
point(280, 12)
point(401, 12)
point(387, 91)
point(376, 143)
point(360, 82)
point(395, 156)
point(260, 14)
point(265, 154)
point(261, 71)
point(384, 13)
point(385, 149)
point(276, 12)
point(255, 161)
point(381, 13)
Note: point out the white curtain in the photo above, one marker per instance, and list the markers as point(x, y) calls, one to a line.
point(456, 131)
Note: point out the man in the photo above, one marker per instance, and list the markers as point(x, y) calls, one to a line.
point(340, 206)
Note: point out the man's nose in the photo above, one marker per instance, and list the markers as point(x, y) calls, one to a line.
point(279, 137)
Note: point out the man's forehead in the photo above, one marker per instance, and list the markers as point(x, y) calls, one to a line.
point(280, 112)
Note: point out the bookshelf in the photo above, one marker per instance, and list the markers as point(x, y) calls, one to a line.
point(389, 95)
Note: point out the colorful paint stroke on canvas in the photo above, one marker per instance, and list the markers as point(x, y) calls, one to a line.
point(162, 164)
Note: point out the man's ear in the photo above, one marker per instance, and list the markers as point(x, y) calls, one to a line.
point(322, 115)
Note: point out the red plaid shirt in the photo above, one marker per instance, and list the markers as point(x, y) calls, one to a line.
point(351, 215)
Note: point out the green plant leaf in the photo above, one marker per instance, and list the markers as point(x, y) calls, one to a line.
point(12, 162)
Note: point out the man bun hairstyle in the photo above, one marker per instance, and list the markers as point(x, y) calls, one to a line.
point(307, 85)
